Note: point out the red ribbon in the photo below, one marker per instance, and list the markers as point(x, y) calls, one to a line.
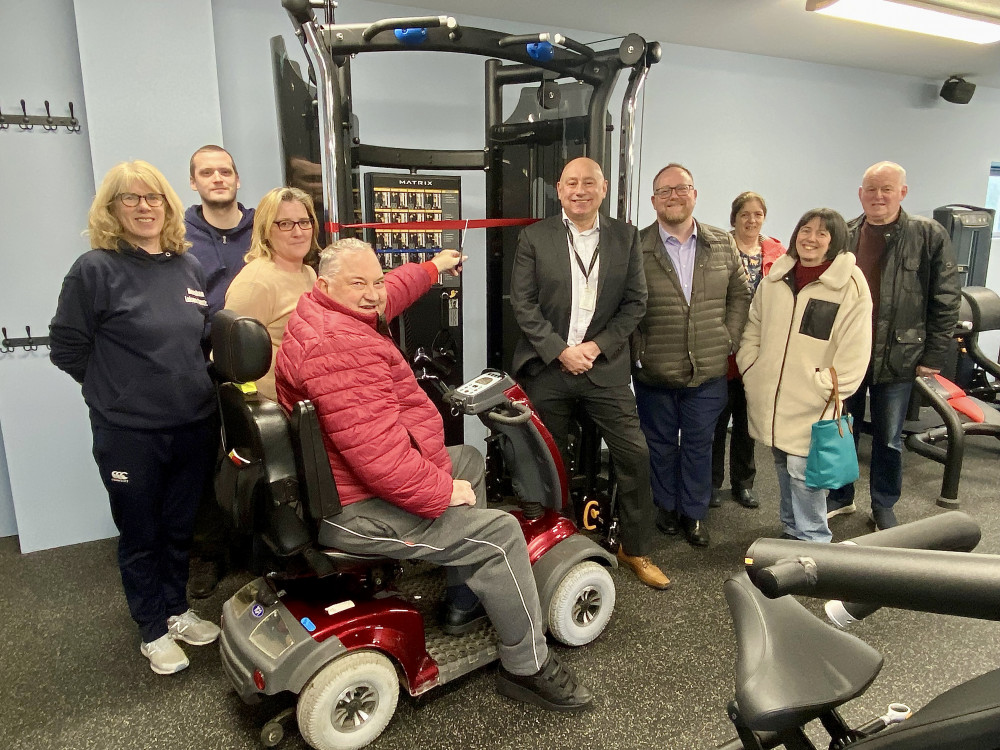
point(431, 226)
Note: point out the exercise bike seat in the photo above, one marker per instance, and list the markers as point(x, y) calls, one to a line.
point(966, 717)
point(791, 667)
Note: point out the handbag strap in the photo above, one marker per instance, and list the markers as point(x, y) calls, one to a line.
point(834, 397)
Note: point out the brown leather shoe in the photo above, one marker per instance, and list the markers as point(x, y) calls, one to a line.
point(645, 570)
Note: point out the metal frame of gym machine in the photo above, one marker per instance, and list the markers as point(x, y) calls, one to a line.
point(546, 141)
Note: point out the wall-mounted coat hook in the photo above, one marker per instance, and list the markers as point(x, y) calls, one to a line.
point(73, 126)
point(47, 121)
point(29, 343)
point(25, 123)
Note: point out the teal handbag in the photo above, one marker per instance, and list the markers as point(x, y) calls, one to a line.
point(833, 459)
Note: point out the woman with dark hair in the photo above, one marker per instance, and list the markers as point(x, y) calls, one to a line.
point(757, 253)
point(276, 274)
point(810, 314)
point(130, 327)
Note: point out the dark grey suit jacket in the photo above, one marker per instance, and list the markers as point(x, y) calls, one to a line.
point(541, 295)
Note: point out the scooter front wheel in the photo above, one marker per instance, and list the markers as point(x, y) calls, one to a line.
point(582, 604)
point(348, 703)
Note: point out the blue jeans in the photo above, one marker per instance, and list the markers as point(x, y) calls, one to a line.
point(679, 425)
point(888, 402)
point(802, 509)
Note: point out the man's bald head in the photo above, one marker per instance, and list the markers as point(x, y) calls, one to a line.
point(581, 189)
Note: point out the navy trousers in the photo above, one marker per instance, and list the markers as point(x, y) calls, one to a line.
point(679, 424)
point(155, 480)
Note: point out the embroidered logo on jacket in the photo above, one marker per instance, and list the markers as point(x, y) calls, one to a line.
point(119, 476)
point(196, 297)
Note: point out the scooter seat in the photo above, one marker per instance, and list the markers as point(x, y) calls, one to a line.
point(792, 667)
point(347, 559)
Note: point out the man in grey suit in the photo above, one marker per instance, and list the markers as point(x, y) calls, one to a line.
point(578, 291)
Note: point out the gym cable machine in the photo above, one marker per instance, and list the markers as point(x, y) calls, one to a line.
point(565, 91)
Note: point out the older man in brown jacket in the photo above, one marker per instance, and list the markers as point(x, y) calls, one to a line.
point(695, 313)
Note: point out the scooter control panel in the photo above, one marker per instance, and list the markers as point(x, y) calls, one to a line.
point(481, 393)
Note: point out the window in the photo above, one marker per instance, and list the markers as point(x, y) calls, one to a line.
point(993, 197)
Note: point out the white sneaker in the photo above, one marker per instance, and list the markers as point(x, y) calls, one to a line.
point(834, 508)
point(190, 628)
point(165, 656)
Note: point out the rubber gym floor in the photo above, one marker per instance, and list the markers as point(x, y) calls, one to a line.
point(73, 677)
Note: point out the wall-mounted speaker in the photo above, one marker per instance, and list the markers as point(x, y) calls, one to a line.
point(957, 90)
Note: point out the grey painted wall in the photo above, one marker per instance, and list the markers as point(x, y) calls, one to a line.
point(160, 83)
point(45, 191)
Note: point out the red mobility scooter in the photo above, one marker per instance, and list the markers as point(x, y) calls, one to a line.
point(345, 631)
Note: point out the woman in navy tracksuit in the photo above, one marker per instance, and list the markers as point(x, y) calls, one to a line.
point(131, 328)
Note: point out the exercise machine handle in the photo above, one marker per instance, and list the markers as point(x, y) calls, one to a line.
point(949, 583)
point(797, 573)
point(952, 531)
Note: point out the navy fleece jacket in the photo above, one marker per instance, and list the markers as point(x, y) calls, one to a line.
point(130, 327)
point(220, 251)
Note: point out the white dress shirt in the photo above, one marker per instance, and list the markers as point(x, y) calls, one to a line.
point(585, 244)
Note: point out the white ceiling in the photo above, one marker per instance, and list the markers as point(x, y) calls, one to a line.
point(779, 28)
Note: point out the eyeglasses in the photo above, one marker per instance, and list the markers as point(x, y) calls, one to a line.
point(132, 199)
point(681, 190)
point(285, 225)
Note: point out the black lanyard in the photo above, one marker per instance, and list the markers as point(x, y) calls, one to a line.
point(579, 260)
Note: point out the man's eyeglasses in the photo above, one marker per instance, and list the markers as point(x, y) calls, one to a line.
point(131, 200)
point(285, 225)
point(681, 190)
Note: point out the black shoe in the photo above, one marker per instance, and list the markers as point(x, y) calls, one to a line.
point(553, 687)
point(883, 518)
point(455, 621)
point(666, 521)
point(746, 498)
point(204, 578)
point(716, 500)
point(695, 531)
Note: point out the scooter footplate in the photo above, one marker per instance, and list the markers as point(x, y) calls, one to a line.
point(455, 655)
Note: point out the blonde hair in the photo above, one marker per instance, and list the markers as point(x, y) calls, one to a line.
point(263, 219)
point(104, 228)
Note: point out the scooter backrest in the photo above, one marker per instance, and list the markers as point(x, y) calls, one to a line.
point(316, 479)
point(257, 482)
point(984, 304)
point(241, 347)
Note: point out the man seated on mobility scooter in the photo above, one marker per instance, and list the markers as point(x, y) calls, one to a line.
point(404, 494)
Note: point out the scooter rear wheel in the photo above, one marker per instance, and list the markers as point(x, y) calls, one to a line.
point(582, 604)
point(348, 703)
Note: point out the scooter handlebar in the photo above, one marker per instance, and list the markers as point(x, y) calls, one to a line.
point(522, 414)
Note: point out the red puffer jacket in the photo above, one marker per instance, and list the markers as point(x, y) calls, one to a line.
point(383, 435)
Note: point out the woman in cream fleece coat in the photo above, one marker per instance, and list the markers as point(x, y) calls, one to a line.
point(811, 313)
